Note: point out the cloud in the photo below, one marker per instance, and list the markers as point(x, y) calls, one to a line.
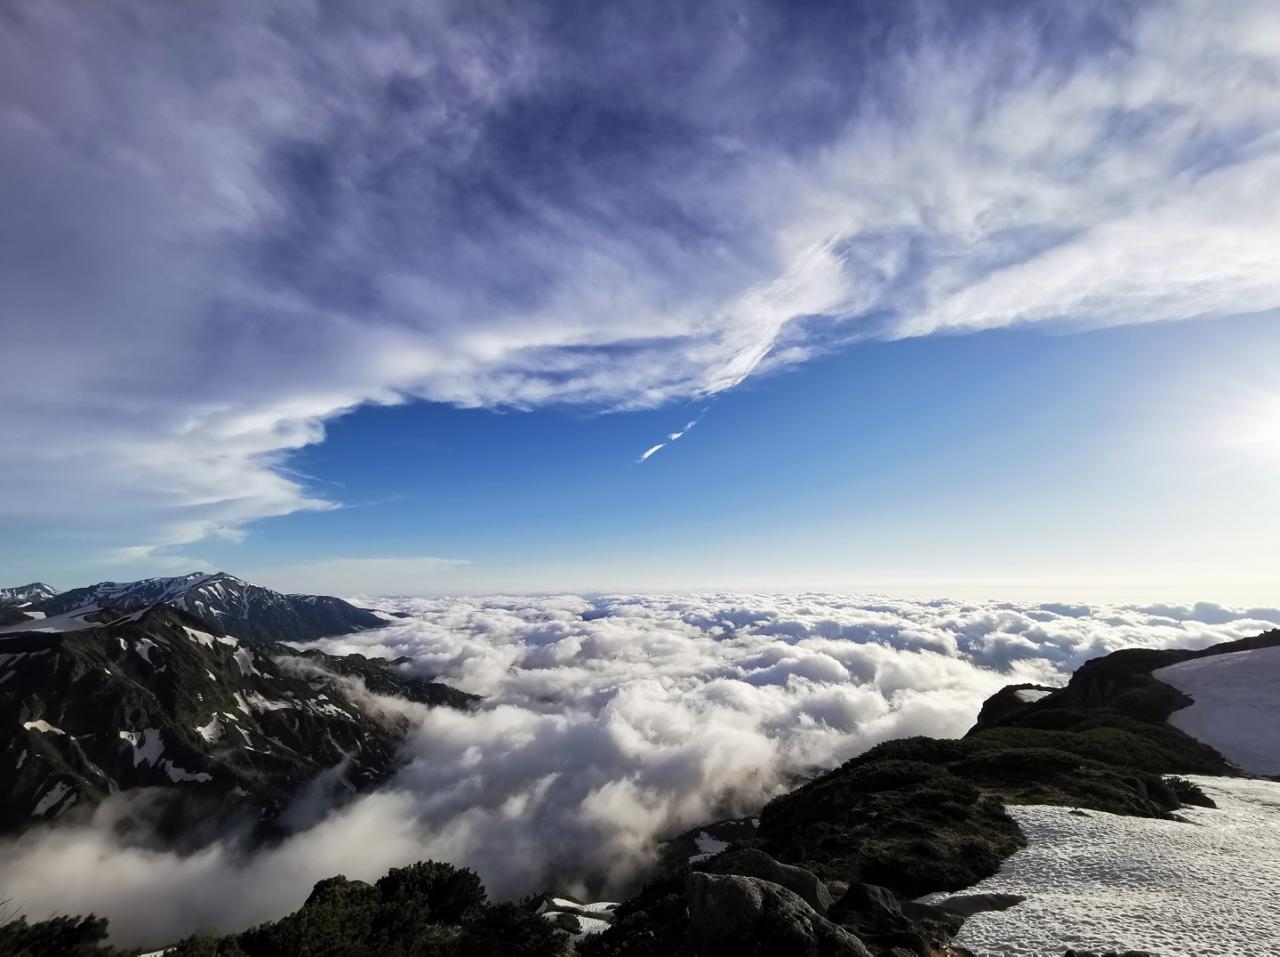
point(673, 436)
point(608, 723)
point(228, 224)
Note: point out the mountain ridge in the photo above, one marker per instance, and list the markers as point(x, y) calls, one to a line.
point(221, 600)
point(152, 698)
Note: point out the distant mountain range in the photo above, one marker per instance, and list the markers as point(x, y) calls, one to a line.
point(250, 612)
point(181, 685)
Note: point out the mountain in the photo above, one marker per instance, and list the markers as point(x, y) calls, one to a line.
point(103, 699)
point(250, 612)
point(33, 594)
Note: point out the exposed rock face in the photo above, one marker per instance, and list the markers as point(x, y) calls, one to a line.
point(224, 602)
point(152, 699)
point(746, 916)
point(750, 862)
point(966, 905)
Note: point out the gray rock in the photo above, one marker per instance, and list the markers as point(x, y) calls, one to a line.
point(966, 905)
point(869, 909)
point(750, 917)
point(749, 862)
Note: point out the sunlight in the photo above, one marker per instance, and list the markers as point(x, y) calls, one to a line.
point(1253, 425)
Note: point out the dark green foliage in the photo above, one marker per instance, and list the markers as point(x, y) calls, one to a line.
point(425, 910)
point(1189, 792)
point(652, 923)
point(56, 937)
point(445, 893)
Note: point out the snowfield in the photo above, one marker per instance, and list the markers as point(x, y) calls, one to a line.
point(1209, 888)
point(1237, 705)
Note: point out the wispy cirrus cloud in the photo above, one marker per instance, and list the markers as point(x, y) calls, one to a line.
point(226, 225)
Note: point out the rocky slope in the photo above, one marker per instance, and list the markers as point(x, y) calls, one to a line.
point(223, 730)
point(849, 852)
point(222, 601)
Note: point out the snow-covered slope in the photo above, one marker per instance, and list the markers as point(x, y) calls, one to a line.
point(1104, 881)
point(1236, 705)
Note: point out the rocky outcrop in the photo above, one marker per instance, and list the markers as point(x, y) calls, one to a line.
point(746, 916)
point(966, 905)
point(750, 862)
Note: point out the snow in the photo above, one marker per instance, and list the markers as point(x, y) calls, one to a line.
point(71, 621)
point(42, 725)
point(266, 704)
point(143, 648)
point(587, 924)
point(599, 907)
point(35, 615)
point(178, 775)
point(212, 731)
point(148, 745)
point(1208, 888)
point(52, 798)
point(708, 846)
point(206, 639)
point(244, 661)
point(1029, 695)
point(1237, 705)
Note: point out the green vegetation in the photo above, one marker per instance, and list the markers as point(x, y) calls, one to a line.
point(426, 909)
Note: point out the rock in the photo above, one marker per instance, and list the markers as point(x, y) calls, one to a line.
point(750, 917)
point(870, 909)
point(966, 905)
point(749, 862)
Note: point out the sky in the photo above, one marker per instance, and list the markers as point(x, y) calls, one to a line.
point(977, 300)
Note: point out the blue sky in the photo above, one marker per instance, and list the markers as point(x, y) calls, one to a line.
point(965, 299)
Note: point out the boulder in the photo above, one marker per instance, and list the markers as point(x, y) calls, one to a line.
point(750, 917)
point(869, 909)
point(966, 905)
point(750, 862)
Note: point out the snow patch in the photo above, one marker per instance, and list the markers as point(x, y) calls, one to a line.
point(244, 661)
point(177, 775)
point(1236, 705)
point(52, 798)
point(43, 726)
point(144, 648)
point(708, 846)
point(1106, 881)
point(260, 703)
point(1029, 695)
point(212, 731)
point(206, 639)
point(148, 745)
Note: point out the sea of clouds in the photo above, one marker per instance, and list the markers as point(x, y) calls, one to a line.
point(607, 724)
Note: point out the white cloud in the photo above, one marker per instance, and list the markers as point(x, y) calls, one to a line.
point(608, 724)
point(260, 247)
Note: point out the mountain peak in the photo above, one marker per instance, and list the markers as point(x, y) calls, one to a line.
point(227, 605)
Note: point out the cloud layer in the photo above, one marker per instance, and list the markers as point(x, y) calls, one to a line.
point(226, 224)
point(608, 724)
